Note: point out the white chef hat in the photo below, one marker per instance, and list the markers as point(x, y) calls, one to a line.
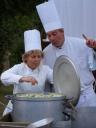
point(32, 40)
point(49, 16)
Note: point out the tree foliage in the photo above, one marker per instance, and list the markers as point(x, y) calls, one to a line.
point(16, 17)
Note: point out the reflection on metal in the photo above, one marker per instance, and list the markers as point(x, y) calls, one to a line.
point(66, 78)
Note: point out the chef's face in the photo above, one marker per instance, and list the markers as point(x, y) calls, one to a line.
point(56, 37)
point(33, 59)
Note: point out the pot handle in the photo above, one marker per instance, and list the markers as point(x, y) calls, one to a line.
point(68, 103)
point(9, 97)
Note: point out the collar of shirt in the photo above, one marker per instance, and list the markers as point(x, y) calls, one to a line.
point(35, 70)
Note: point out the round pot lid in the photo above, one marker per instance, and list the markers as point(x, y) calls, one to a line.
point(66, 79)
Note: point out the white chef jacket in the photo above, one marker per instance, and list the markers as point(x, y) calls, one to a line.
point(94, 53)
point(79, 53)
point(13, 75)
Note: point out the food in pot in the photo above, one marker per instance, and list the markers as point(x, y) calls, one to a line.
point(39, 95)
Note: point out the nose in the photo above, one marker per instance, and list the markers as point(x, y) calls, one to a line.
point(36, 58)
point(51, 38)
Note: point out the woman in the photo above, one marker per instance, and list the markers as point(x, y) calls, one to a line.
point(29, 76)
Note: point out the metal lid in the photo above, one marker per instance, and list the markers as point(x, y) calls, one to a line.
point(66, 79)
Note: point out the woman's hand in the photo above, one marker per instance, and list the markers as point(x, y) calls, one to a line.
point(29, 79)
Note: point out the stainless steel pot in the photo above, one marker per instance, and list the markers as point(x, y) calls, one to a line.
point(33, 109)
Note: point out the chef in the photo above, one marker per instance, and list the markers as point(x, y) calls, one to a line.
point(31, 74)
point(74, 48)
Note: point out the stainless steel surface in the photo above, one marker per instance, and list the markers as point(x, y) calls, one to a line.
point(13, 125)
point(62, 124)
point(58, 124)
point(85, 117)
point(66, 78)
point(44, 123)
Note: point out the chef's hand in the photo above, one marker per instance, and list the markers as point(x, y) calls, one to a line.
point(29, 79)
point(90, 42)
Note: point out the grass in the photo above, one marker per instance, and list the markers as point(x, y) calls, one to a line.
point(3, 92)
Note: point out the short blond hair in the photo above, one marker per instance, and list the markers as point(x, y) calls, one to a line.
point(32, 52)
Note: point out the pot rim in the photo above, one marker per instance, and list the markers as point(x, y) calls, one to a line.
point(45, 98)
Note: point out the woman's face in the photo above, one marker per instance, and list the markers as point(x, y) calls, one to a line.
point(33, 60)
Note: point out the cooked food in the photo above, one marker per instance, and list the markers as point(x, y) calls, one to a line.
point(39, 95)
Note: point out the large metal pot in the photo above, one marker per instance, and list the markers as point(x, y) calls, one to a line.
point(36, 108)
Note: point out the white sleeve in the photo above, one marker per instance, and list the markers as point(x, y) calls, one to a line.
point(94, 61)
point(11, 76)
point(90, 56)
point(94, 52)
point(91, 60)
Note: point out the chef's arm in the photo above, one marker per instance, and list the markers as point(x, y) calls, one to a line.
point(94, 55)
point(9, 78)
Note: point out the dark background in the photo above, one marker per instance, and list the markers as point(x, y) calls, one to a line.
point(16, 16)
